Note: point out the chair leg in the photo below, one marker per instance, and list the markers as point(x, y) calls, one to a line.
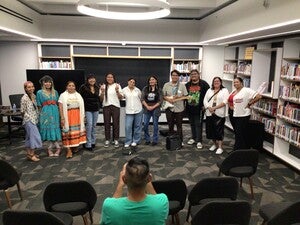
point(91, 216)
point(241, 183)
point(219, 173)
point(188, 213)
point(251, 187)
point(19, 190)
point(177, 219)
point(173, 219)
point(85, 221)
point(7, 196)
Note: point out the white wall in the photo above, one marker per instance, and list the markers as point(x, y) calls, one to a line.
point(244, 15)
point(212, 64)
point(15, 58)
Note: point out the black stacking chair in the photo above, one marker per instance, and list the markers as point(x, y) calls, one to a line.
point(223, 212)
point(22, 217)
point(210, 189)
point(16, 99)
point(280, 213)
point(9, 177)
point(72, 197)
point(176, 192)
point(240, 163)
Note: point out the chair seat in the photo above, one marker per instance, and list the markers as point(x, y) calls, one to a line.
point(72, 208)
point(174, 207)
point(4, 184)
point(268, 211)
point(65, 217)
point(241, 171)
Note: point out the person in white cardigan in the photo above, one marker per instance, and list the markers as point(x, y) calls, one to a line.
point(215, 104)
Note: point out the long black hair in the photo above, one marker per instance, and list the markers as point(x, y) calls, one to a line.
point(156, 86)
point(106, 84)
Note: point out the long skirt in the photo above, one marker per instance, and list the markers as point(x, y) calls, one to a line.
point(215, 127)
point(33, 138)
point(73, 137)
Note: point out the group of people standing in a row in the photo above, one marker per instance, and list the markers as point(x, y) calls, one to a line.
point(53, 118)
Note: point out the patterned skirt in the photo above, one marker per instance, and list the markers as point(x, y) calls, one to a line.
point(73, 137)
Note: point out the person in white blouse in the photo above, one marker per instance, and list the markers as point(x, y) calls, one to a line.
point(134, 114)
point(110, 94)
point(215, 102)
point(239, 102)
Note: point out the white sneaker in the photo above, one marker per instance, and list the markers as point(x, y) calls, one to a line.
point(213, 147)
point(191, 141)
point(133, 144)
point(106, 143)
point(126, 146)
point(219, 151)
point(116, 144)
point(182, 144)
point(199, 145)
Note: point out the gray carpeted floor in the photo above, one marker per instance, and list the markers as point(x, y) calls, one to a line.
point(273, 182)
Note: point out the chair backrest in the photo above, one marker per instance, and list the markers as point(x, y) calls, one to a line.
point(22, 217)
point(289, 216)
point(238, 158)
point(69, 191)
point(15, 99)
point(174, 189)
point(223, 212)
point(214, 187)
point(8, 173)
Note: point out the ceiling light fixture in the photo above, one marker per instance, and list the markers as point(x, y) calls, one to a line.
point(125, 9)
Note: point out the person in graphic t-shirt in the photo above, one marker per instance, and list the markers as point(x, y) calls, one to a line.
point(196, 88)
point(151, 100)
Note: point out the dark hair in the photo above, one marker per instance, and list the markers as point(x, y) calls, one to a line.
point(212, 84)
point(240, 79)
point(46, 79)
point(148, 85)
point(131, 78)
point(106, 84)
point(87, 85)
point(137, 173)
point(175, 71)
point(194, 71)
point(90, 76)
point(69, 82)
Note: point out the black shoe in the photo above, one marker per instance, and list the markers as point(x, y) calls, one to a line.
point(147, 143)
point(93, 145)
point(89, 149)
point(154, 143)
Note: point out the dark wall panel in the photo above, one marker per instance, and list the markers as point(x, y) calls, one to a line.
point(123, 69)
point(60, 78)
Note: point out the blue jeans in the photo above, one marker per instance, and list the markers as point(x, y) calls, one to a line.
point(133, 128)
point(91, 122)
point(147, 117)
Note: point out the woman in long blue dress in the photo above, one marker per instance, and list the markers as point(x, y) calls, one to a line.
point(49, 123)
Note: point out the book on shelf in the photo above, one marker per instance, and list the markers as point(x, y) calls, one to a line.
point(290, 92)
point(249, 53)
point(230, 68)
point(244, 68)
point(290, 71)
point(55, 64)
point(185, 67)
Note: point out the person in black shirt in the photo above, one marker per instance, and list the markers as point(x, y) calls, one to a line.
point(90, 94)
point(196, 88)
point(151, 100)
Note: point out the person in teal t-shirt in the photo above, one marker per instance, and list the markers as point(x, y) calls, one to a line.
point(142, 206)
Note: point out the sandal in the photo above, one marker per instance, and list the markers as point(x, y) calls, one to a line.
point(69, 153)
point(57, 153)
point(50, 153)
point(32, 158)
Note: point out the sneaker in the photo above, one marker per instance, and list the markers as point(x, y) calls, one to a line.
point(182, 144)
point(147, 143)
point(213, 147)
point(126, 146)
point(191, 141)
point(106, 143)
point(199, 145)
point(116, 144)
point(154, 143)
point(219, 151)
point(133, 144)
